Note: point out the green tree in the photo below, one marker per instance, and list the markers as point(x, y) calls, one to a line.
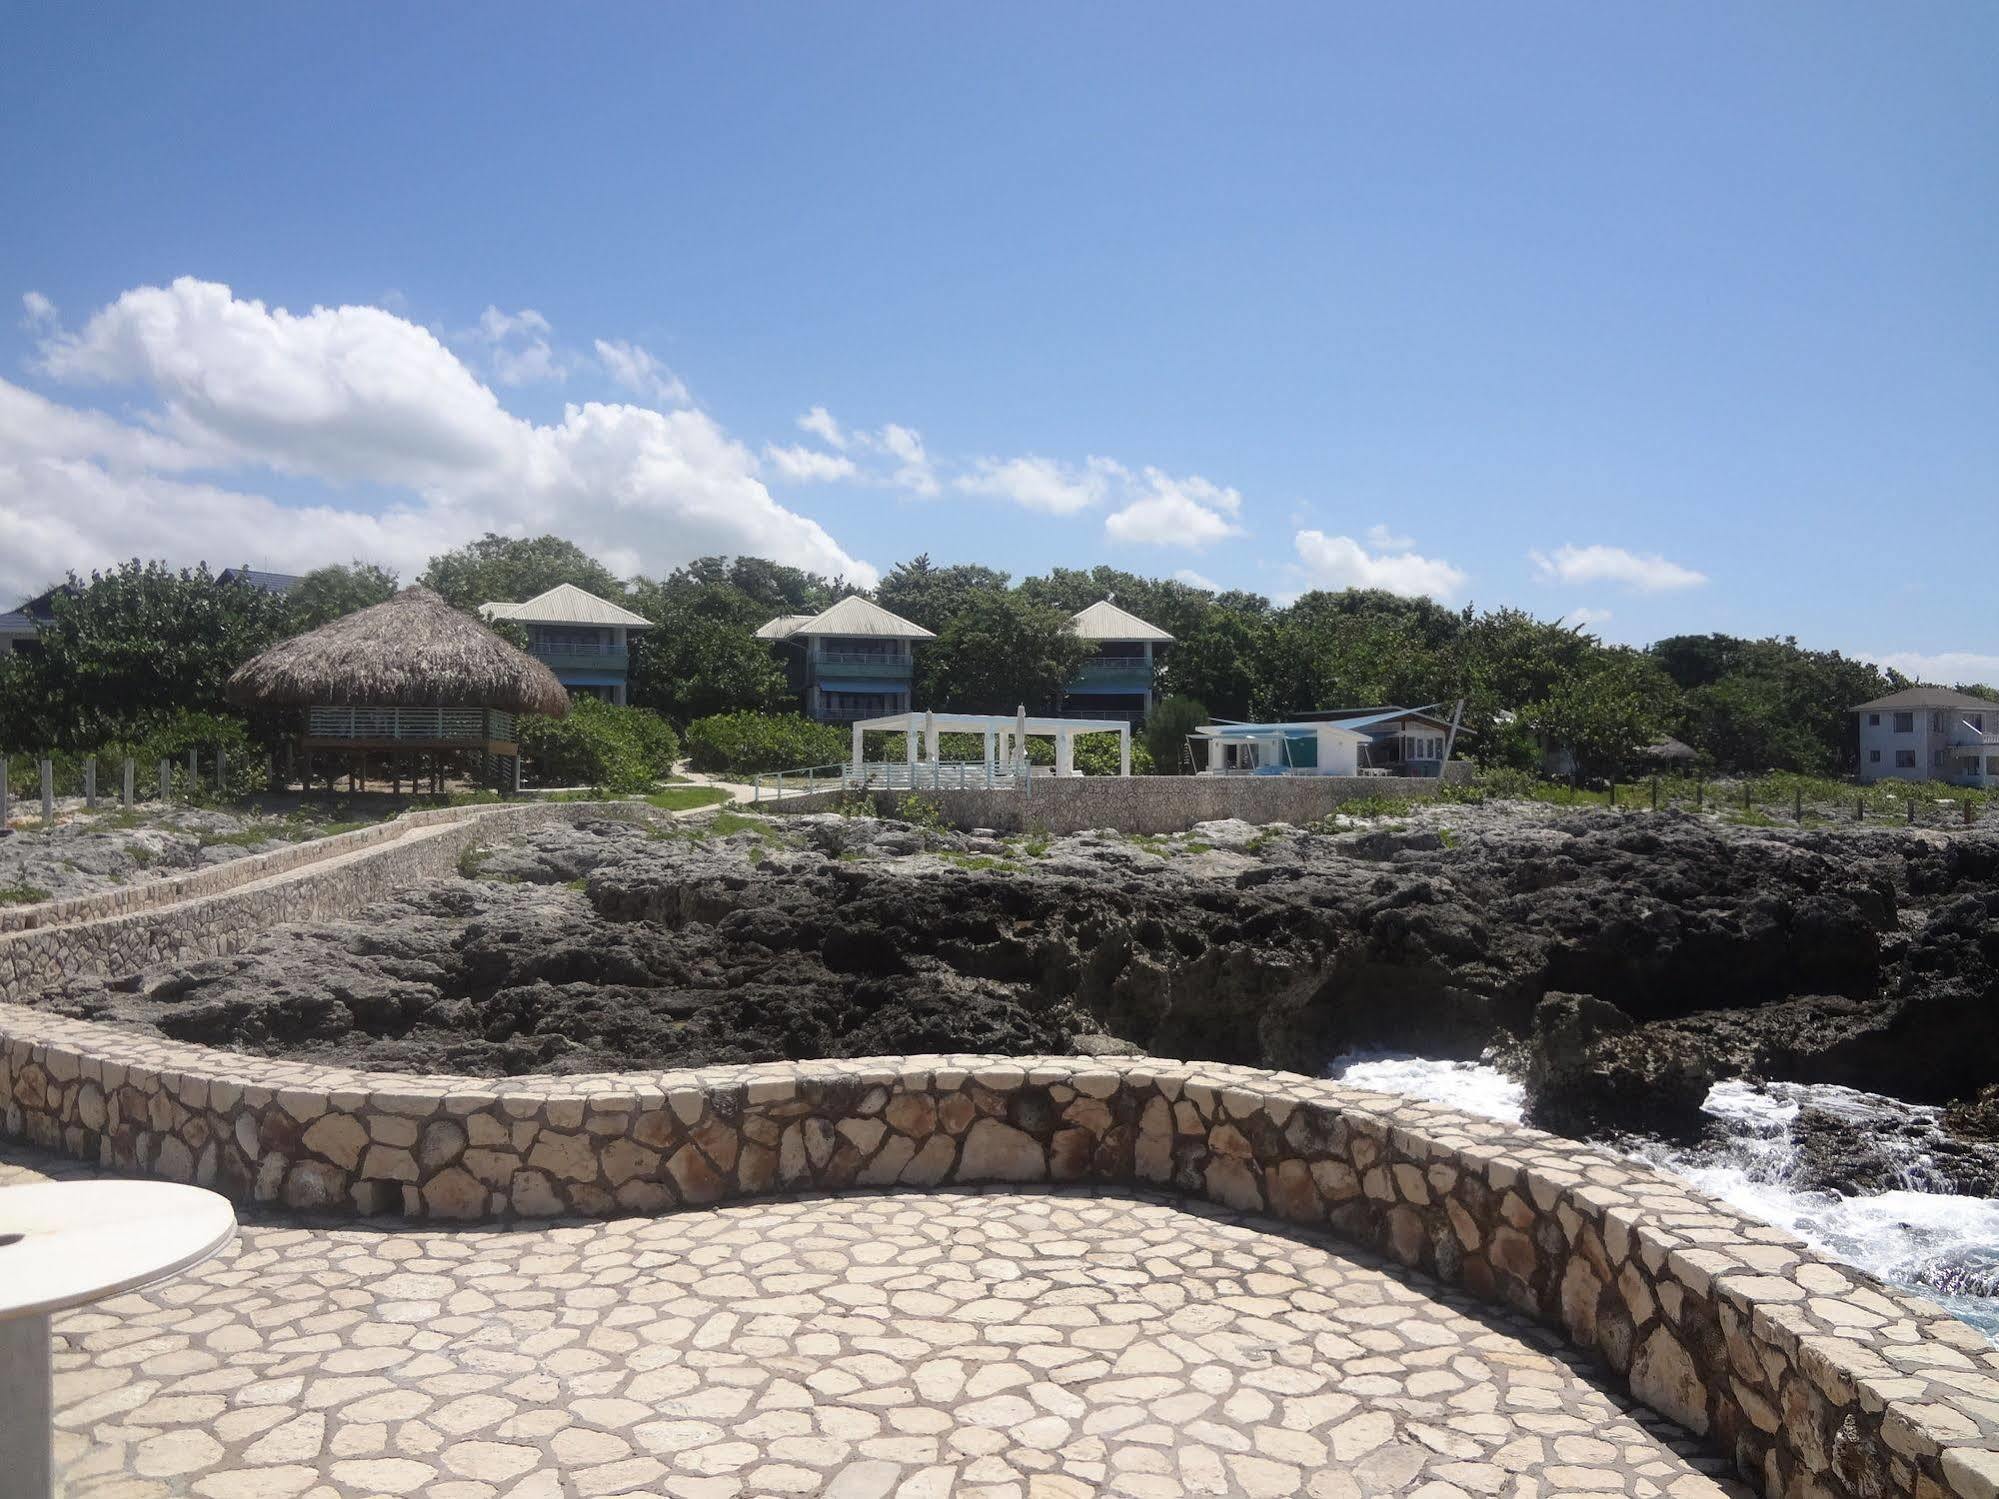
point(1005, 653)
point(511, 570)
point(132, 648)
point(1602, 715)
point(1220, 662)
point(933, 596)
point(690, 667)
point(1166, 729)
point(327, 593)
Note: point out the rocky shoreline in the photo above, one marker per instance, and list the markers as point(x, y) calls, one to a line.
point(1620, 963)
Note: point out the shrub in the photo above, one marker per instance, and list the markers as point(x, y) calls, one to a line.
point(1166, 730)
point(745, 743)
point(600, 745)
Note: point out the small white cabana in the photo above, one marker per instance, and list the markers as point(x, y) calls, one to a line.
point(1004, 741)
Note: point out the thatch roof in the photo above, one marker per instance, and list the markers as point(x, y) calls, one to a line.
point(415, 651)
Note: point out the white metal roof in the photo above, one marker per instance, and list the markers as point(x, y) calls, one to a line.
point(566, 604)
point(1926, 697)
point(781, 628)
point(853, 616)
point(979, 723)
point(1103, 620)
point(1268, 730)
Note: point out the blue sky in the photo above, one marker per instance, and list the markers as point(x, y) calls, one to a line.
point(1688, 317)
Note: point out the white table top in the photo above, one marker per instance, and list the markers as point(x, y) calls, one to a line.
point(66, 1243)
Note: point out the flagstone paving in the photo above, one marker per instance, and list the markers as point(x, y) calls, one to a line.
point(1031, 1344)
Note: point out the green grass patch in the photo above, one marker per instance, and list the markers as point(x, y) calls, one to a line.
point(22, 895)
point(686, 798)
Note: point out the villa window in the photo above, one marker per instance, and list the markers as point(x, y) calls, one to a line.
point(1936, 723)
point(1936, 757)
point(1905, 723)
point(1905, 759)
point(1874, 757)
point(1874, 720)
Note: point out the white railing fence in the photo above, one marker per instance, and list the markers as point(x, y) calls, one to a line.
point(887, 775)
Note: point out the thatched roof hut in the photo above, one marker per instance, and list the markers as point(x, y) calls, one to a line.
point(415, 651)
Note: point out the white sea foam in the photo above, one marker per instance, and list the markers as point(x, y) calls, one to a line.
point(1942, 1246)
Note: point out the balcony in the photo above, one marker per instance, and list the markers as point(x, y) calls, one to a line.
point(859, 665)
point(1112, 671)
point(581, 656)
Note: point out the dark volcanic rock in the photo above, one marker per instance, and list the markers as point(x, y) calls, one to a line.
point(1590, 1070)
point(1865, 958)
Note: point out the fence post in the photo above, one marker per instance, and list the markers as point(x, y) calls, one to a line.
point(193, 773)
point(125, 791)
point(3, 793)
point(1613, 793)
point(48, 791)
point(90, 783)
point(1964, 804)
point(1912, 809)
point(1859, 808)
point(1655, 793)
point(1700, 788)
point(166, 780)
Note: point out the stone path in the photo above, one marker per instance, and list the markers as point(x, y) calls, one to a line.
point(1044, 1343)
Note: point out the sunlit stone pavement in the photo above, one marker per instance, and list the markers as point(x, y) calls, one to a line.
point(980, 1343)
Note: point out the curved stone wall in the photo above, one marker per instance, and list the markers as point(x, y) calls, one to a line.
point(214, 911)
point(1813, 1377)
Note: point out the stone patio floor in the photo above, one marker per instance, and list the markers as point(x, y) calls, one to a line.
point(1031, 1343)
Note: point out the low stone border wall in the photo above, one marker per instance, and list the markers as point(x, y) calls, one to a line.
point(1141, 804)
point(1814, 1378)
point(308, 882)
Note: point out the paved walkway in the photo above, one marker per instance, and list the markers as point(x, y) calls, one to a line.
point(1021, 1344)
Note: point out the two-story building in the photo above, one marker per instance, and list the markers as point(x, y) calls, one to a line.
point(1930, 734)
point(1116, 680)
point(584, 640)
point(854, 660)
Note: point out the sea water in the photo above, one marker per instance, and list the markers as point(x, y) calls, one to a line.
point(1940, 1245)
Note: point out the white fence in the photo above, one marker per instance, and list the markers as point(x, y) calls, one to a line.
point(456, 724)
point(887, 775)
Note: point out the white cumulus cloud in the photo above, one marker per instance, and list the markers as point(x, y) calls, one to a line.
point(632, 368)
point(1336, 562)
point(1384, 540)
point(803, 465)
point(819, 422)
point(1946, 667)
point(1043, 483)
point(1606, 564)
point(1193, 579)
point(1169, 511)
point(38, 313)
point(913, 469)
point(1584, 615)
point(345, 394)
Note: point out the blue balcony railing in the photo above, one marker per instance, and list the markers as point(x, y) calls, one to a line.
point(582, 657)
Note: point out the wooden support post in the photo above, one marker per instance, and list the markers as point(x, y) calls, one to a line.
point(166, 780)
point(3, 793)
point(1912, 809)
point(193, 775)
point(1798, 806)
point(1967, 812)
point(90, 783)
point(48, 791)
point(1613, 792)
point(1859, 808)
point(125, 787)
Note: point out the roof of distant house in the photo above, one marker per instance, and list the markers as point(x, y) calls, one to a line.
point(17, 623)
point(269, 582)
point(566, 604)
point(1925, 697)
point(853, 616)
point(1103, 620)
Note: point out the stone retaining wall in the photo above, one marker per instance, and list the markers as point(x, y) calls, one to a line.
point(306, 883)
point(1816, 1379)
point(1141, 804)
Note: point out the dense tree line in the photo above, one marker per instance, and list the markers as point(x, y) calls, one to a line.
point(132, 647)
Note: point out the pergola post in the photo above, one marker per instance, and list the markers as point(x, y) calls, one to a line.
point(1124, 744)
point(858, 752)
point(1065, 753)
point(986, 753)
point(909, 749)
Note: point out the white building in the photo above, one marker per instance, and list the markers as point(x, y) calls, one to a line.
point(1930, 734)
point(1280, 749)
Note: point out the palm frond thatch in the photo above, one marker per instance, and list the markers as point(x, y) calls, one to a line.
point(415, 651)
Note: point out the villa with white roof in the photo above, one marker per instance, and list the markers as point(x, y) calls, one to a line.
point(1116, 680)
point(852, 661)
point(584, 640)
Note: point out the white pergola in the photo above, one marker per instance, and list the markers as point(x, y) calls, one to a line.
point(1004, 739)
